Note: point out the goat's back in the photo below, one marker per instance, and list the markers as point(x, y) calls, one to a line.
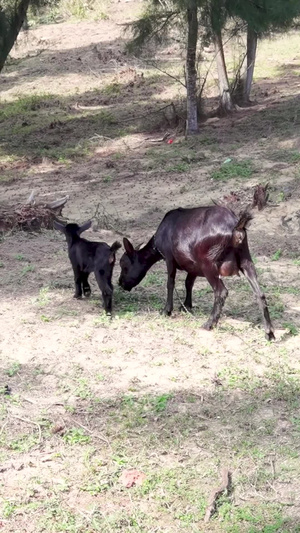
point(199, 221)
point(89, 255)
point(193, 236)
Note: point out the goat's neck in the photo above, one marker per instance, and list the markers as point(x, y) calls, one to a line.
point(71, 239)
point(149, 255)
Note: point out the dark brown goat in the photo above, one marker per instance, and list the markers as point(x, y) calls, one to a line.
point(210, 242)
point(89, 256)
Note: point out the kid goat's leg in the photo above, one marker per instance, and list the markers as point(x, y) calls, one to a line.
point(78, 282)
point(106, 289)
point(85, 284)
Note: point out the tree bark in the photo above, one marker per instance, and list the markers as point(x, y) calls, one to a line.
point(10, 24)
point(191, 72)
point(251, 56)
point(226, 102)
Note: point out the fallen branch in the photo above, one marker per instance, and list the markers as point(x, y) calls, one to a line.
point(216, 493)
point(27, 421)
point(31, 216)
point(100, 437)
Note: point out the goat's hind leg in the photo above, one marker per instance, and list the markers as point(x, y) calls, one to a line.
point(248, 269)
point(189, 283)
point(220, 295)
point(106, 289)
point(85, 285)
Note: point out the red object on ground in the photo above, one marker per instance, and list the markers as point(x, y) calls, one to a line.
point(129, 478)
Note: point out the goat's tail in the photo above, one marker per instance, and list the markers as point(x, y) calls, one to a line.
point(115, 246)
point(239, 230)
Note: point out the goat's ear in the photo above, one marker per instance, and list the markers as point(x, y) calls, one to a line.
point(59, 226)
point(85, 226)
point(128, 248)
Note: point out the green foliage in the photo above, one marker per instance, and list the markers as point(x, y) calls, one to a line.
point(264, 16)
point(233, 169)
point(76, 436)
point(153, 25)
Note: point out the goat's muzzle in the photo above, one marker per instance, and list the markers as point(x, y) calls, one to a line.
point(124, 286)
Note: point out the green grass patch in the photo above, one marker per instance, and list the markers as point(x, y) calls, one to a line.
point(233, 169)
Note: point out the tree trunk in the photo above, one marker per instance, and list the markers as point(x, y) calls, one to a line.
point(10, 24)
point(191, 72)
point(226, 103)
point(251, 56)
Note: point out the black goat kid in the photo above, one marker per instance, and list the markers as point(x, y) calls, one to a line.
point(210, 242)
point(88, 256)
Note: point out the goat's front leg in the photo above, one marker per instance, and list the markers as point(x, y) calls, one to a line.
point(248, 269)
point(106, 289)
point(78, 282)
point(85, 285)
point(170, 286)
point(189, 283)
point(220, 295)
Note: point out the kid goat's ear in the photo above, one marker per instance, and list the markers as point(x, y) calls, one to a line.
point(85, 226)
point(59, 226)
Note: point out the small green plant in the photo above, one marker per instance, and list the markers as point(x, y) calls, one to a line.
point(20, 257)
point(8, 509)
point(13, 369)
point(233, 169)
point(45, 318)
point(83, 390)
point(277, 255)
point(160, 403)
point(107, 179)
point(26, 269)
point(76, 436)
point(178, 167)
point(43, 297)
point(292, 329)
point(112, 89)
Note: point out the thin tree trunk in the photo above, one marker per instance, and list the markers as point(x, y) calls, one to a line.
point(10, 25)
point(226, 103)
point(191, 72)
point(251, 56)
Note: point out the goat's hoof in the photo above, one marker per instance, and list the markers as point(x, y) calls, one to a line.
point(208, 326)
point(87, 293)
point(77, 296)
point(270, 336)
point(165, 312)
point(186, 309)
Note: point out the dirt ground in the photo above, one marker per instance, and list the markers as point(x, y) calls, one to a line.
point(85, 398)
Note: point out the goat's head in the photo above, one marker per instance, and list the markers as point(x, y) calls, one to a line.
point(133, 268)
point(72, 229)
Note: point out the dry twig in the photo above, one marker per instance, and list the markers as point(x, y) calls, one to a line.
point(216, 493)
point(27, 421)
point(100, 437)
